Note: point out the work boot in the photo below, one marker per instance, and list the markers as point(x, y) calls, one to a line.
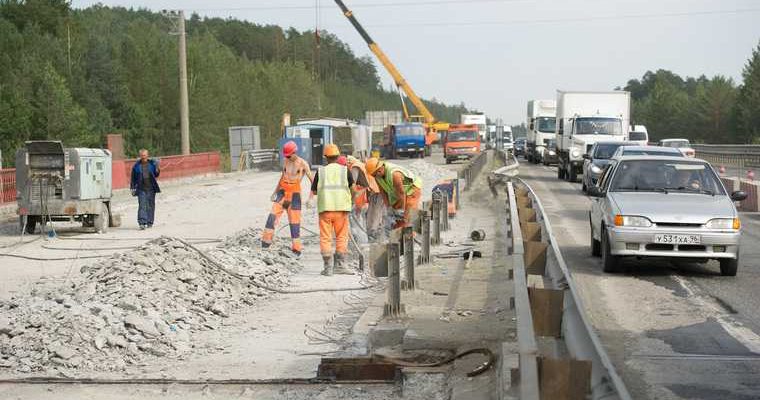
point(328, 269)
point(340, 265)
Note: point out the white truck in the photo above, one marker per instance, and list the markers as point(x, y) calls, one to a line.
point(476, 119)
point(583, 118)
point(541, 128)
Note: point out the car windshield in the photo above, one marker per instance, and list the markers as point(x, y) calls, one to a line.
point(546, 124)
point(598, 126)
point(462, 136)
point(410, 130)
point(676, 143)
point(606, 150)
point(637, 136)
point(665, 176)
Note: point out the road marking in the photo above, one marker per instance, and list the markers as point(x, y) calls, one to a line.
point(737, 330)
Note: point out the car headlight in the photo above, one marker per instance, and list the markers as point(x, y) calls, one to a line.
point(551, 152)
point(595, 169)
point(724, 223)
point(474, 149)
point(632, 220)
point(575, 153)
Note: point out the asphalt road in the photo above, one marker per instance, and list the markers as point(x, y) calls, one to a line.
point(673, 330)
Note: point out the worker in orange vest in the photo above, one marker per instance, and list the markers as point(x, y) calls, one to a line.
point(368, 202)
point(287, 198)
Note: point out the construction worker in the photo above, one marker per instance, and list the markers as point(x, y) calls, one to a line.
point(332, 185)
point(287, 197)
point(368, 203)
point(401, 188)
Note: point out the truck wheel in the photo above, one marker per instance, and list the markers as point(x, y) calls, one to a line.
point(572, 176)
point(610, 263)
point(428, 151)
point(31, 224)
point(102, 220)
point(448, 161)
point(729, 266)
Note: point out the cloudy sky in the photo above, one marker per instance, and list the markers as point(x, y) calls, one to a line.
point(495, 55)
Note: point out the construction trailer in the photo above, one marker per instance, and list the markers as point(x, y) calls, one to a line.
point(54, 183)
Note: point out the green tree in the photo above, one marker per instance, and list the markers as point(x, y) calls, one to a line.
point(748, 101)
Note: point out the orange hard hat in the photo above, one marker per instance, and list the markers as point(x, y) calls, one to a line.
point(289, 148)
point(372, 165)
point(331, 150)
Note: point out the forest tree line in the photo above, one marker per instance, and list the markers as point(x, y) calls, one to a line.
point(78, 74)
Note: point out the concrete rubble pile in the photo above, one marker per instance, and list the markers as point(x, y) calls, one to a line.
point(145, 303)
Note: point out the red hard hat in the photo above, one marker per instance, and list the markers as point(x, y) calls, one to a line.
point(342, 160)
point(289, 148)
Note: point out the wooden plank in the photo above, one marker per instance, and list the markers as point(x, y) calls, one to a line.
point(535, 257)
point(526, 215)
point(564, 379)
point(546, 308)
point(531, 231)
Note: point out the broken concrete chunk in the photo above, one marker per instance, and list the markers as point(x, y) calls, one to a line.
point(62, 351)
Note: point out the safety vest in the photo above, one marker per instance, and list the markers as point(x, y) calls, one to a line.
point(333, 193)
point(410, 181)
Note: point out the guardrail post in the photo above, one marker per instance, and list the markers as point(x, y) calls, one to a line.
point(393, 306)
point(456, 193)
point(436, 211)
point(425, 256)
point(408, 239)
point(445, 211)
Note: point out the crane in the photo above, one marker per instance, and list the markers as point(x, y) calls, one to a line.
point(432, 125)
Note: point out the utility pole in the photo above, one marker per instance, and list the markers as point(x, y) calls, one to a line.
point(184, 107)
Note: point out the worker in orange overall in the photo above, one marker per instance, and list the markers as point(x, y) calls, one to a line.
point(401, 188)
point(332, 185)
point(287, 197)
point(368, 203)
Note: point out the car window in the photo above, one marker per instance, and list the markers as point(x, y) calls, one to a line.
point(604, 177)
point(666, 176)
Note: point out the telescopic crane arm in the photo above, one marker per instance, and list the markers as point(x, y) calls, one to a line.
point(397, 77)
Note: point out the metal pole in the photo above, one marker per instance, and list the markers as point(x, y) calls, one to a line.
point(409, 258)
point(393, 293)
point(436, 237)
point(456, 197)
point(425, 257)
point(445, 211)
point(184, 110)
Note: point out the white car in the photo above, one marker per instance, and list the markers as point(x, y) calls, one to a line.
point(639, 135)
point(681, 144)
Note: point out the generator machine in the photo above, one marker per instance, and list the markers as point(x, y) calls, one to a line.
point(54, 183)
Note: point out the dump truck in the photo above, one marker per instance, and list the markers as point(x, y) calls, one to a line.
point(405, 139)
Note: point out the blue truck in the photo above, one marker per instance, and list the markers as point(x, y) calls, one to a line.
point(407, 139)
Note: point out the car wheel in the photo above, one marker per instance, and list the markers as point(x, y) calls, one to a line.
point(729, 266)
point(609, 262)
point(596, 246)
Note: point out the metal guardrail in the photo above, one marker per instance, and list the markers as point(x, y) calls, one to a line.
point(578, 334)
point(526, 336)
point(473, 168)
point(742, 156)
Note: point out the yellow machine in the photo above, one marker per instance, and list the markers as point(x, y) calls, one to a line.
point(432, 126)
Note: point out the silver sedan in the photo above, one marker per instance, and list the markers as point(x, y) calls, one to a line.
point(650, 206)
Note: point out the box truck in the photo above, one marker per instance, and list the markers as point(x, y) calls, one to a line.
point(476, 119)
point(583, 118)
point(541, 123)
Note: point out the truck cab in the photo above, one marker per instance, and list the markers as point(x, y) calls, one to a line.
point(404, 139)
point(462, 141)
point(541, 123)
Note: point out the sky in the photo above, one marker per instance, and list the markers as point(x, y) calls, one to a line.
point(495, 55)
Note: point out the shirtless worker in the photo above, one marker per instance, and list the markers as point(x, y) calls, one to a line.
point(287, 197)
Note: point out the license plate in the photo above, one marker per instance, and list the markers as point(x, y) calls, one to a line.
point(667, 238)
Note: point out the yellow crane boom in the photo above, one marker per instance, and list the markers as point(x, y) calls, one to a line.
point(430, 121)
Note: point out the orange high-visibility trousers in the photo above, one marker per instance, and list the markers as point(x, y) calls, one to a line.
point(333, 222)
point(411, 206)
point(290, 202)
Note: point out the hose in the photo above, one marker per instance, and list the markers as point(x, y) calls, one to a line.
point(475, 372)
point(44, 246)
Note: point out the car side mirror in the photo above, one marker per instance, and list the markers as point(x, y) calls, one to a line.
point(595, 191)
point(586, 157)
point(738, 195)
